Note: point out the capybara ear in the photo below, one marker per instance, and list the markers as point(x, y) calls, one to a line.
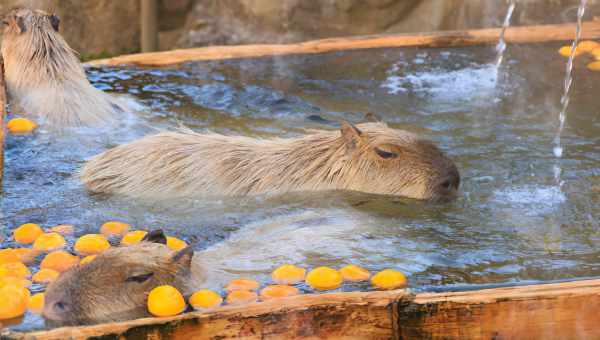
point(21, 24)
point(54, 21)
point(353, 137)
point(184, 257)
point(155, 236)
point(370, 117)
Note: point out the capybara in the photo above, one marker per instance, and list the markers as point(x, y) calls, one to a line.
point(114, 286)
point(44, 77)
point(368, 157)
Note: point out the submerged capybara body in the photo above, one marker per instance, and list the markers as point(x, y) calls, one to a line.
point(44, 77)
point(369, 157)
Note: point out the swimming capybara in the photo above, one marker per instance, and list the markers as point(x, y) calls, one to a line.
point(114, 286)
point(369, 157)
point(44, 77)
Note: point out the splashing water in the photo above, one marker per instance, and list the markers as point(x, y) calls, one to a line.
point(564, 100)
point(501, 46)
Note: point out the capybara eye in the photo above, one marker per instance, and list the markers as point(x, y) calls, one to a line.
point(139, 278)
point(446, 184)
point(385, 154)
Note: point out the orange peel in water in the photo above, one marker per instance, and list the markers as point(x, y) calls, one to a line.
point(288, 274)
point(278, 291)
point(14, 269)
point(26, 255)
point(19, 126)
point(587, 46)
point(8, 256)
point(63, 229)
point(389, 279)
point(133, 237)
point(205, 299)
point(14, 301)
point(175, 243)
point(114, 228)
point(354, 273)
point(324, 278)
point(27, 233)
point(242, 284)
point(87, 259)
point(45, 275)
point(594, 66)
point(60, 261)
point(91, 244)
point(165, 301)
point(240, 297)
point(49, 241)
point(36, 303)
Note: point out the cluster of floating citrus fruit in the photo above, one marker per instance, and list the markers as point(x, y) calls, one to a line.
point(168, 301)
point(589, 47)
point(16, 277)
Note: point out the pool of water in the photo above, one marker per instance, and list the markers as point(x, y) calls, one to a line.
point(511, 223)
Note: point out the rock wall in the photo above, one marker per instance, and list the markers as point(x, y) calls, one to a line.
point(92, 27)
point(257, 21)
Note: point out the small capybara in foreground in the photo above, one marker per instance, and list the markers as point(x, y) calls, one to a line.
point(368, 157)
point(44, 76)
point(114, 286)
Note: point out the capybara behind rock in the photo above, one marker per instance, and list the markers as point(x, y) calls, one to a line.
point(114, 286)
point(369, 157)
point(44, 78)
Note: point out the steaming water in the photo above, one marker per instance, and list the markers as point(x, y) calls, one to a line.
point(564, 100)
point(501, 46)
point(511, 224)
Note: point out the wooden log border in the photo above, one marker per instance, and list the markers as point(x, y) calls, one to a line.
point(514, 35)
point(547, 311)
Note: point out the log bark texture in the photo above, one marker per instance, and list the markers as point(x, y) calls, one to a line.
point(549, 311)
point(514, 35)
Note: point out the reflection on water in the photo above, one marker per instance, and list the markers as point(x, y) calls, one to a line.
point(510, 224)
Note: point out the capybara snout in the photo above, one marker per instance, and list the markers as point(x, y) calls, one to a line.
point(369, 157)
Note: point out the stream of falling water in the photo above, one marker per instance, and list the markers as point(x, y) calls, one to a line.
point(501, 46)
point(564, 100)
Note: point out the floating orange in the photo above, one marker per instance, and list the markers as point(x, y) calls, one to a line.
point(91, 244)
point(49, 242)
point(45, 275)
point(133, 237)
point(324, 278)
point(240, 297)
point(14, 301)
point(165, 301)
point(242, 284)
point(205, 299)
point(288, 274)
point(36, 303)
point(60, 261)
point(175, 243)
point(114, 228)
point(27, 233)
point(278, 291)
point(353, 273)
point(389, 279)
point(18, 126)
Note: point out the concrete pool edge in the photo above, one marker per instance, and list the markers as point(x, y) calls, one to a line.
point(559, 310)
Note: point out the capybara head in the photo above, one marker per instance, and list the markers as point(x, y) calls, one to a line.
point(383, 160)
point(114, 286)
point(25, 21)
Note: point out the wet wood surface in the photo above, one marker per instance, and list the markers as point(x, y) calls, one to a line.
point(550, 311)
point(514, 35)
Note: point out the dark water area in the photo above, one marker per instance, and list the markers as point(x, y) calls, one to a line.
point(511, 223)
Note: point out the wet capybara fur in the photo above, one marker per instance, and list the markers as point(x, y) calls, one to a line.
point(44, 77)
point(115, 285)
point(368, 157)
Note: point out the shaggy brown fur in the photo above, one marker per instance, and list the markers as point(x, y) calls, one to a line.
point(370, 157)
point(44, 77)
point(115, 285)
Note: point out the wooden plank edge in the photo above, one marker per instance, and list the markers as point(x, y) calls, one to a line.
point(514, 35)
